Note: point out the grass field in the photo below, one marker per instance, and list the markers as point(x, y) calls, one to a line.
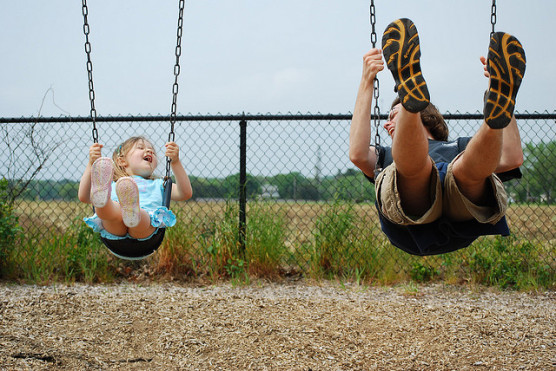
point(537, 222)
point(333, 240)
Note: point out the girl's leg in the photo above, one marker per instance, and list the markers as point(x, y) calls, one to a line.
point(111, 217)
point(137, 220)
point(144, 229)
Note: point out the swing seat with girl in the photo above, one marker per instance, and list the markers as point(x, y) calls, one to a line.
point(131, 206)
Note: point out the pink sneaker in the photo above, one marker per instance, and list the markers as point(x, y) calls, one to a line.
point(102, 174)
point(128, 195)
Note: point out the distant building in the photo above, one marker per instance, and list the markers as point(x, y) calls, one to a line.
point(269, 191)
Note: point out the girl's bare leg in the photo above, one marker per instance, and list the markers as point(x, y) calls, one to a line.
point(111, 217)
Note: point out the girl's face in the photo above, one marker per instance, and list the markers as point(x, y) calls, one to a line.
point(141, 159)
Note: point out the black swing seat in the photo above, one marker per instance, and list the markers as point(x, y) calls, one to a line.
point(133, 249)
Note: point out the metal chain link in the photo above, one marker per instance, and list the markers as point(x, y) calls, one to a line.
point(373, 21)
point(493, 17)
point(175, 87)
point(376, 89)
point(86, 31)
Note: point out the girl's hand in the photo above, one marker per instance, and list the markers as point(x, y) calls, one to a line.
point(95, 152)
point(172, 151)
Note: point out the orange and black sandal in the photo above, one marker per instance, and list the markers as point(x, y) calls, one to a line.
point(506, 66)
point(400, 45)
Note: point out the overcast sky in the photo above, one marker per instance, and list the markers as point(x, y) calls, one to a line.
point(254, 56)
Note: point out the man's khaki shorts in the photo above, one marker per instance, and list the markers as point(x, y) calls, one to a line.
point(447, 200)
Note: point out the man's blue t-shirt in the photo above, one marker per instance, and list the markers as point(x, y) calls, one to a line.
point(442, 235)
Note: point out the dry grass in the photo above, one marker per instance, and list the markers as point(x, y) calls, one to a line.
point(531, 221)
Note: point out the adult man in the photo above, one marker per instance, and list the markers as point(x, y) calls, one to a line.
point(436, 196)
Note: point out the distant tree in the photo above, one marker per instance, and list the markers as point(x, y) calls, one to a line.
point(68, 190)
point(350, 186)
point(295, 186)
point(539, 171)
point(207, 187)
point(230, 186)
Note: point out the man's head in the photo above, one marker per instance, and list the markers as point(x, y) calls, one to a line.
point(432, 120)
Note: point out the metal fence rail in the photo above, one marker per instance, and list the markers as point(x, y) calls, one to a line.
point(295, 162)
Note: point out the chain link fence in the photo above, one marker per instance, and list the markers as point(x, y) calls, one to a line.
point(285, 178)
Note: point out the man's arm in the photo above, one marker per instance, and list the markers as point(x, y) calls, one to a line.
point(512, 153)
point(360, 153)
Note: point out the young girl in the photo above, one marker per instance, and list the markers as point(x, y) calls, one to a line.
point(127, 198)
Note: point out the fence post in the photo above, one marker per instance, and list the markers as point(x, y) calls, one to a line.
point(242, 183)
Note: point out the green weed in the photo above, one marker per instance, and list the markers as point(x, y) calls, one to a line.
point(265, 240)
point(9, 228)
point(76, 255)
point(178, 255)
point(422, 272)
point(338, 242)
point(223, 244)
point(345, 247)
point(509, 262)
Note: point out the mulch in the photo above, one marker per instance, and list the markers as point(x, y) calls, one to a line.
point(300, 325)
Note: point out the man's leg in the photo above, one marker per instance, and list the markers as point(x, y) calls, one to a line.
point(506, 66)
point(477, 163)
point(401, 50)
point(414, 166)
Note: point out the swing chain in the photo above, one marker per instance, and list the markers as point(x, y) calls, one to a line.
point(493, 17)
point(86, 31)
point(175, 87)
point(376, 91)
point(373, 21)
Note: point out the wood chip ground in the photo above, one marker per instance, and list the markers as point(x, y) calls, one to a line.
point(274, 326)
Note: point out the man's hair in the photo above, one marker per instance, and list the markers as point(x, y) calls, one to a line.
point(433, 121)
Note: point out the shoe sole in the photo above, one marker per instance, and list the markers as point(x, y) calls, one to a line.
point(506, 66)
point(128, 195)
point(102, 175)
point(401, 50)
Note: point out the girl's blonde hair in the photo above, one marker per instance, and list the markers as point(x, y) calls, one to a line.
point(122, 150)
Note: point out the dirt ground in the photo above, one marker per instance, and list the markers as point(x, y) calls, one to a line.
point(279, 326)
